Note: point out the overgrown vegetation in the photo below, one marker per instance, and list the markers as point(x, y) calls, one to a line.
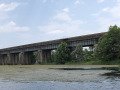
point(108, 48)
point(107, 51)
point(77, 54)
point(62, 54)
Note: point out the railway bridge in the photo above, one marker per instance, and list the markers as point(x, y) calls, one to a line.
point(23, 54)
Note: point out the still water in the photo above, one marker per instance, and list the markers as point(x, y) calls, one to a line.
point(107, 84)
point(38, 77)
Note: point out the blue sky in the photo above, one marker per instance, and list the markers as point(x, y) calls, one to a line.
point(30, 21)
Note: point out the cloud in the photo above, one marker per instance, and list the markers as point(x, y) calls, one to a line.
point(63, 15)
point(62, 25)
point(113, 11)
point(45, 1)
point(5, 8)
point(56, 31)
point(118, 1)
point(100, 1)
point(65, 10)
point(104, 23)
point(8, 6)
point(7, 25)
point(12, 27)
point(108, 16)
point(77, 2)
point(103, 11)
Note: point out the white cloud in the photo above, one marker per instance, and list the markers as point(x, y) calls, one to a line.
point(100, 1)
point(106, 9)
point(8, 6)
point(68, 26)
point(45, 1)
point(12, 27)
point(65, 10)
point(56, 31)
point(105, 22)
point(115, 11)
point(77, 2)
point(118, 1)
point(5, 8)
point(7, 25)
point(63, 15)
point(108, 16)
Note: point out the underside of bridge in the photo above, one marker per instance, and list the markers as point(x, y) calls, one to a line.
point(28, 58)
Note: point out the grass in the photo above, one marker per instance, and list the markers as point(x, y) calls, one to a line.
point(94, 62)
point(91, 62)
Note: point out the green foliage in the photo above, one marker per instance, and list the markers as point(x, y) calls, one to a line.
point(88, 55)
point(108, 48)
point(62, 54)
point(77, 54)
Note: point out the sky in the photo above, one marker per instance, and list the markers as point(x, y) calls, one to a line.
point(30, 21)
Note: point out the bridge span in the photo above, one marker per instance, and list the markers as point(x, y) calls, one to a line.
point(23, 54)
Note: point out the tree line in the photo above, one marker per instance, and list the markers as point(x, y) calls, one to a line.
point(63, 54)
point(106, 50)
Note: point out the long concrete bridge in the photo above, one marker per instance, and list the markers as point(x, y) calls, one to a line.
point(24, 54)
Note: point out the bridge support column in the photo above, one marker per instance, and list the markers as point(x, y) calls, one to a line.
point(1, 59)
point(4, 59)
point(42, 56)
point(26, 58)
point(21, 58)
point(9, 59)
point(14, 58)
point(29, 58)
point(8, 62)
point(46, 56)
point(38, 56)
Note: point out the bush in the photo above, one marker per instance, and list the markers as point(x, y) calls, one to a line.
point(108, 48)
point(77, 54)
point(62, 54)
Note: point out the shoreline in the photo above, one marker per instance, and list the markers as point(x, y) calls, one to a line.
point(44, 73)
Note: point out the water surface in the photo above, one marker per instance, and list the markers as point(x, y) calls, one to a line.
point(108, 84)
point(43, 78)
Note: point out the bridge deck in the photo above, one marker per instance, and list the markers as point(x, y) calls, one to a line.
point(54, 42)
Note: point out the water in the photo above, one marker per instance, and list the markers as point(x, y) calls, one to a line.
point(42, 78)
point(107, 84)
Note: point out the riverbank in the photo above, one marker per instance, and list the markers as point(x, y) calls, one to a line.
point(50, 73)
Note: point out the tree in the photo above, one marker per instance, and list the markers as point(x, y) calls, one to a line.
point(77, 54)
point(62, 53)
point(88, 55)
point(108, 47)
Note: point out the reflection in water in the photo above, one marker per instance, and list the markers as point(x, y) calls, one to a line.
point(108, 84)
